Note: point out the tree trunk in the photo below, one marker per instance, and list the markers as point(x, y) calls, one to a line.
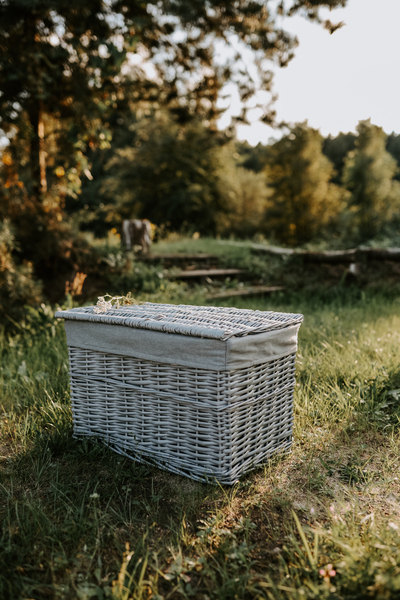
point(38, 153)
point(35, 110)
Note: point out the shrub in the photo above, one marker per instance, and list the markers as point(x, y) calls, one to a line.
point(18, 287)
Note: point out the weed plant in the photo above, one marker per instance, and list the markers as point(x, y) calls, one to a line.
point(323, 521)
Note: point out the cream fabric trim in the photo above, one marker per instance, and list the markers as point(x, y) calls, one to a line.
point(170, 348)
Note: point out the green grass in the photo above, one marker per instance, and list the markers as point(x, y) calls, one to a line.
point(323, 521)
point(177, 244)
point(292, 272)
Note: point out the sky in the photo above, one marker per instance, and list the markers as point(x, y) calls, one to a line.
point(336, 80)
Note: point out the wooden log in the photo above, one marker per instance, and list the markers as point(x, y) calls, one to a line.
point(198, 273)
point(331, 256)
point(178, 257)
point(353, 255)
point(253, 291)
point(379, 253)
point(274, 250)
point(328, 256)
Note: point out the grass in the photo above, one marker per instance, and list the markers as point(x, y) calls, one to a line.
point(292, 272)
point(120, 272)
point(78, 521)
point(177, 244)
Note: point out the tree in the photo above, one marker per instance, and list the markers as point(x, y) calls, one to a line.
point(64, 59)
point(17, 286)
point(244, 194)
point(368, 174)
point(185, 177)
point(52, 72)
point(58, 67)
point(252, 158)
point(168, 174)
point(303, 201)
point(66, 68)
point(336, 149)
point(393, 146)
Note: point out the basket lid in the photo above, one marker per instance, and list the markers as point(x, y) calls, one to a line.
point(212, 322)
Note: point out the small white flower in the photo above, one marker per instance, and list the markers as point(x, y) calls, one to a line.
point(102, 305)
point(94, 496)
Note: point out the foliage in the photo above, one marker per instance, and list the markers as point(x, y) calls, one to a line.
point(74, 77)
point(63, 62)
point(368, 174)
point(110, 112)
point(43, 239)
point(17, 285)
point(393, 147)
point(303, 200)
point(184, 177)
point(336, 149)
point(244, 194)
point(136, 277)
point(169, 176)
point(252, 158)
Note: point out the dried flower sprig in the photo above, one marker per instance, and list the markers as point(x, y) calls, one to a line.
point(107, 302)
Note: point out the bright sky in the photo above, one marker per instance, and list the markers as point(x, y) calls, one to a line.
point(336, 80)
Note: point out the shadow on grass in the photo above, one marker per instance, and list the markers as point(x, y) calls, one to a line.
point(70, 508)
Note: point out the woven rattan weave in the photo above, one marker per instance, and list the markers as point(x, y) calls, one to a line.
point(199, 321)
point(206, 423)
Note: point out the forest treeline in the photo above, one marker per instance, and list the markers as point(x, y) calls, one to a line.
point(187, 178)
point(109, 110)
point(300, 189)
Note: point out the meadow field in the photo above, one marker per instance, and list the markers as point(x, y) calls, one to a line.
point(78, 521)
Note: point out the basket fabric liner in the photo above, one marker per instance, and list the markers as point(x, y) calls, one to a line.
point(186, 351)
point(247, 337)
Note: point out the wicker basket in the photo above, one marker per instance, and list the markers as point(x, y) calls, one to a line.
point(205, 392)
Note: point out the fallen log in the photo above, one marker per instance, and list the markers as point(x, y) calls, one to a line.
point(252, 291)
point(178, 257)
point(263, 249)
point(352, 256)
point(330, 256)
point(333, 256)
point(275, 250)
point(380, 253)
point(199, 273)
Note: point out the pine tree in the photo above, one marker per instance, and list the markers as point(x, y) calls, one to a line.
point(303, 201)
point(368, 174)
point(336, 149)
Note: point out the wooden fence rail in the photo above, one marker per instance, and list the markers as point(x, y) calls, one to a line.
point(333, 256)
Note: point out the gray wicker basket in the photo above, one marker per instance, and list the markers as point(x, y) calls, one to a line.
point(205, 392)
